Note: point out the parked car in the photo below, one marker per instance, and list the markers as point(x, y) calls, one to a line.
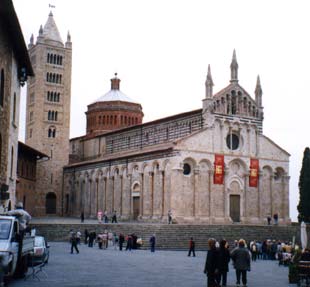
point(41, 251)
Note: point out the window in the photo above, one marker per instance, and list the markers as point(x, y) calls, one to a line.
point(12, 161)
point(14, 108)
point(186, 169)
point(1, 87)
point(31, 116)
point(51, 132)
point(232, 141)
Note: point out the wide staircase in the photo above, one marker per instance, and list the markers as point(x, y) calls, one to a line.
point(174, 236)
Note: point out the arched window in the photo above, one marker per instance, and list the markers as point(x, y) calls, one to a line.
point(1, 87)
point(58, 61)
point(48, 58)
point(55, 59)
point(56, 113)
point(115, 120)
point(50, 203)
point(54, 78)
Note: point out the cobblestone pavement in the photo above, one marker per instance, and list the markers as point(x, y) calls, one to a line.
point(137, 268)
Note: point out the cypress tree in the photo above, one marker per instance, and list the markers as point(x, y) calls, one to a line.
point(304, 188)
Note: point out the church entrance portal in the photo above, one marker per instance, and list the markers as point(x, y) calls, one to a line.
point(136, 207)
point(235, 208)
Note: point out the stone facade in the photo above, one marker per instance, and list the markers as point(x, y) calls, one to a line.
point(48, 113)
point(14, 68)
point(144, 171)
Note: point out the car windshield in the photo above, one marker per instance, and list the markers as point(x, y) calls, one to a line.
point(38, 241)
point(5, 227)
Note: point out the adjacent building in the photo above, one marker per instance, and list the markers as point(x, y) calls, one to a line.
point(15, 67)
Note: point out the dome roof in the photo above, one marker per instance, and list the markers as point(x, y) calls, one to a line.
point(115, 94)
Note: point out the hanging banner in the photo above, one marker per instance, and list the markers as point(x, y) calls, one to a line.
point(219, 169)
point(254, 166)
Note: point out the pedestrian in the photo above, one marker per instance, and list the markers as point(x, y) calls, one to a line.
point(223, 261)
point(211, 265)
point(275, 218)
point(106, 218)
point(100, 240)
point(121, 240)
point(268, 220)
point(78, 237)
point(82, 216)
point(242, 262)
point(73, 241)
point(86, 236)
point(169, 216)
point(114, 217)
point(129, 242)
point(191, 247)
point(91, 238)
point(152, 242)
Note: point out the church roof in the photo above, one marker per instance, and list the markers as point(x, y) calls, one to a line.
point(50, 30)
point(115, 95)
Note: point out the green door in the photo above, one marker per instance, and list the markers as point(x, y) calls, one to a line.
point(235, 208)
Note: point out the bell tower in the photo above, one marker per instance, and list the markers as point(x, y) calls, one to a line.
point(48, 113)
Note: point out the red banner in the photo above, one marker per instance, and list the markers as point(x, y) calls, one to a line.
point(254, 167)
point(219, 169)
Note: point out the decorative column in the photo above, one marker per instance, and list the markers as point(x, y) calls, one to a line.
point(129, 175)
point(151, 174)
point(249, 140)
point(162, 173)
point(195, 196)
point(89, 195)
point(259, 195)
point(271, 195)
point(285, 191)
point(121, 196)
point(245, 191)
point(210, 211)
point(222, 136)
point(112, 203)
point(105, 192)
point(225, 209)
point(97, 195)
point(142, 194)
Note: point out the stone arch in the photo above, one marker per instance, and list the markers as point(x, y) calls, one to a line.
point(237, 167)
point(50, 203)
point(279, 173)
point(205, 164)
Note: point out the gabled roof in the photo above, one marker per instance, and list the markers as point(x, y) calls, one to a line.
point(233, 86)
point(10, 23)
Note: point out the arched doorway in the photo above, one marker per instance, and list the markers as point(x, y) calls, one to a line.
point(50, 203)
point(234, 210)
point(234, 201)
point(136, 200)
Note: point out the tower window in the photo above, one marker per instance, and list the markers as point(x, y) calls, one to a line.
point(186, 169)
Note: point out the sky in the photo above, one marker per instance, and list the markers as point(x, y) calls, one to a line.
point(161, 50)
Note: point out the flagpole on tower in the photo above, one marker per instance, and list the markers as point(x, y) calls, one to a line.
point(51, 6)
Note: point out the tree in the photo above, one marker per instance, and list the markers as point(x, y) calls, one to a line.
point(304, 188)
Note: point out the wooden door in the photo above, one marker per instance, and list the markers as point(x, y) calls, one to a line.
point(235, 208)
point(136, 207)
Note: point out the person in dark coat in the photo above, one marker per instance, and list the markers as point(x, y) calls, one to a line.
point(242, 262)
point(121, 239)
point(223, 261)
point(211, 267)
point(86, 236)
point(152, 243)
point(91, 238)
point(73, 241)
point(129, 242)
point(191, 247)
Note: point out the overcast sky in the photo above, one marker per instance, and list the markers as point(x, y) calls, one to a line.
point(161, 50)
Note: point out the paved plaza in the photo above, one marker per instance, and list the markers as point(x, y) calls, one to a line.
point(137, 268)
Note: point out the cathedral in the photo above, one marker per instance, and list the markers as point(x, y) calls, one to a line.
point(210, 165)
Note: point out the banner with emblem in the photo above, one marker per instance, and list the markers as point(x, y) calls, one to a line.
point(219, 169)
point(254, 167)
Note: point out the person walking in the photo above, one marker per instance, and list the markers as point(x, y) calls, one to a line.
point(78, 237)
point(129, 242)
point(275, 218)
point(73, 241)
point(191, 247)
point(152, 242)
point(211, 265)
point(223, 261)
point(268, 220)
point(86, 236)
point(242, 262)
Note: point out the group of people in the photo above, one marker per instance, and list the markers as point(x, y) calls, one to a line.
point(275, 219)
point(102, 217)
point(217, 262)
